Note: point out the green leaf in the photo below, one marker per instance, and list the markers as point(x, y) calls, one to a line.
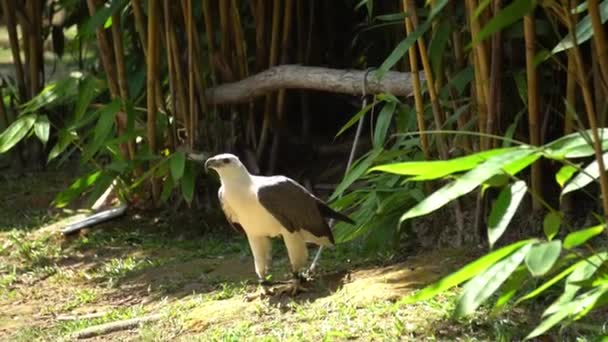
point(590, 173)
point(16, 131)
point(177, 164)
point(383, 123)
point(465, 273)
point(579, 237)
point(103, 128)
point(65, 139)
point(427, 170)
point(101, 17)
point(411, 39)
point(574, 145)
point(583, 31)
point(549, 283)
point(542, 257)
point(87, 90)
point(510, 14)
point(355, 119)
point(188, 182)
point(480, 288)
point(355, 172)
point(582, 272)
point(168, 187)
point(569, 309)
point(551, 224)
point(42, 128)
point(513, 284)
point(564, 174)
point(467, 182)
point(76, 189)
point(504, 208)
point(438, 45)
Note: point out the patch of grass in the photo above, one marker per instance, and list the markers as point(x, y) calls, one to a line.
point(115, 270)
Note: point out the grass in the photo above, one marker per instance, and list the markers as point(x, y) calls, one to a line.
point(142, 265)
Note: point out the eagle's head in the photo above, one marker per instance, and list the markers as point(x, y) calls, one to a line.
point(226, 165)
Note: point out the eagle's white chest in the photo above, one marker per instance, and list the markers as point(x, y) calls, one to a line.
point(252, 216)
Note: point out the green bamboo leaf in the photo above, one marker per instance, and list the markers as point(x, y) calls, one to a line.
point(411, 39)
point(168, 187)
point(427, 170)
point(564, 174)
point(102, 130)
point(504, 208)
point(42, 128)
point(465, 273)
point(355, 119)
point(579, 237)
point(551, 224)
point(16, 132)
point(87, 90)
point(574, 145)
point(177, 164)
point(438, 45)
point(188, 182)
point(570, 309)
point(549, 283)
point(355, 172)
point(383, 123)
point(64, 140)
point(480, 288)
point(76, 189)
point(466, 183)
point(582, 272)
point(100, 18)
point(510, 14)
point(542, 257)
point(583, 30)
point(515, 282)
point(590, 173)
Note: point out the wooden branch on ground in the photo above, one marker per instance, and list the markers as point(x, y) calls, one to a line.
point(107, 328)
point(312, 78)
point(94, 219)
point(81, 317)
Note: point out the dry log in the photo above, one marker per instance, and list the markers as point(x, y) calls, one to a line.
point(312, 78)
point(107, 328)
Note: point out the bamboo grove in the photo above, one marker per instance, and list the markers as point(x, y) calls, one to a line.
point(528, 71)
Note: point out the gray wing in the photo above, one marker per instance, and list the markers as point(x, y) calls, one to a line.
point(294, 207)
point(228, 212)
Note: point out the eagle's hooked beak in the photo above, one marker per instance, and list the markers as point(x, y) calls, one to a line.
point(208, 164)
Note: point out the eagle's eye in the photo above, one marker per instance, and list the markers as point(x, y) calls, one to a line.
point(225, 160)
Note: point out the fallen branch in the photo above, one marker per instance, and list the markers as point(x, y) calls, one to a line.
point(107, 328)
point(313, 78)
point(94, 219)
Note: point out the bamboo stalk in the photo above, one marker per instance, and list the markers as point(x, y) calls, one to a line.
point(495, 81)
point(591, 115)
point(225, 28)
point(428, 72)
point(481, 68)
point(191, 104)
point(33, 40)
point(139, 23)
point(260, 34)
point(152, 74)
point(274, 50)
point(123, 86)
point(239, 41)
point(172, 72)
point(599, 37)
point(533, 109)
point(8, 8)
point(418, 101)
point(570, 93)
point(180, 85)
point(209, 32)
point(105, 53)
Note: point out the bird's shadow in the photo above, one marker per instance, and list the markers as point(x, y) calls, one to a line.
point(321, 286)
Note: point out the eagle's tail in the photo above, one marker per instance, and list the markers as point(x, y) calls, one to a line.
point(328, 212)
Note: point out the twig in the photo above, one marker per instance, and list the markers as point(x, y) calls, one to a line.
point(107, 328)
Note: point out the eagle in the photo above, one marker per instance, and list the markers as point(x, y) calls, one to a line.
point(266, 207)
